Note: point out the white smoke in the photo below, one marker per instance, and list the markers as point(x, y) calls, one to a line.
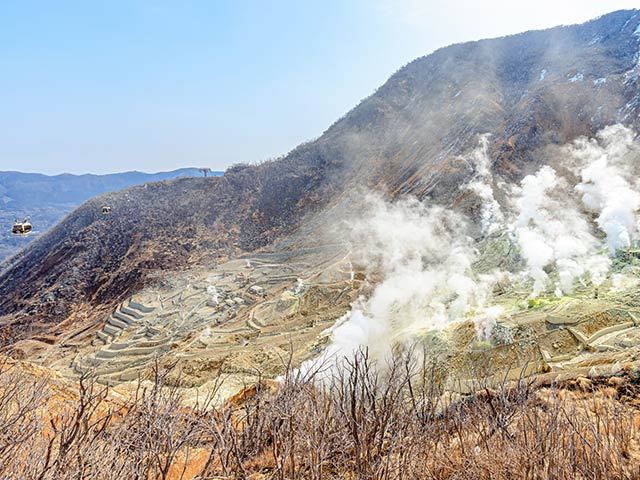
point(621, 282)
point(424, 258)
point(486, 319)
point(299, 288)
point(554, 235)
point(212, 291)
point(352, 332)
point(607, 184)
point(420, 257)
point(492, 217)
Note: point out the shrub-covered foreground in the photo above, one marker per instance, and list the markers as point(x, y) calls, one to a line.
point(354, 424)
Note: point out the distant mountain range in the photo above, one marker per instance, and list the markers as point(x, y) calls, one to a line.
point(47, 199)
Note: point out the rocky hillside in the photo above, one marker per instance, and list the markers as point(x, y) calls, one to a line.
point(529, 91)
point(89, 261)
point(47, 199)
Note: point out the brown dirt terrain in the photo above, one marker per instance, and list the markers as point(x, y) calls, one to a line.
point(585, 427)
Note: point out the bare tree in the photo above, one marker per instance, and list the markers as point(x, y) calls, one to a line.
point(400, 420)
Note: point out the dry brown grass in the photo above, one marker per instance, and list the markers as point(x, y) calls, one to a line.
point(359, 423)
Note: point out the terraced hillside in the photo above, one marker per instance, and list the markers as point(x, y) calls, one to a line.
point(252, 317)
point(243, 317)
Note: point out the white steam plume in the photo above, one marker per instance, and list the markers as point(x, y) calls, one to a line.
point(424, 258)
point(422, 255)
point(553, 234)
point(607, 184)
point(212, 291)
point(492, 217)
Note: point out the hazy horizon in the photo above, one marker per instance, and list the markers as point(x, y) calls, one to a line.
point(144, 172)
point(155, 86)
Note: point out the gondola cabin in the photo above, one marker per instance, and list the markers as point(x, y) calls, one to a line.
point(21, 228)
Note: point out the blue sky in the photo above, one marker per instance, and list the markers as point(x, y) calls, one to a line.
point(104, 86)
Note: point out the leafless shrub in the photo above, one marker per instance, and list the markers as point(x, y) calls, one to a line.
point(364, 421)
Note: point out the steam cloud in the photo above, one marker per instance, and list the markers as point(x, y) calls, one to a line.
point(423, 256)
point(551, 227)
point(607, 184)
point(552, 234)
point(481, 185)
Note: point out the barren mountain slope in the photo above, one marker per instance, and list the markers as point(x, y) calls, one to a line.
point(82, 267)
point(529, 91)
point(48, 199)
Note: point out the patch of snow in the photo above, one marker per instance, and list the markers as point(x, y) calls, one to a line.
point(578, 77)
point(595, 40)
point(636, 32)
point(456, 95)
point(628, 21)
point(634, 72)
point(629, 108)
point(599, 81)
point(543, 74)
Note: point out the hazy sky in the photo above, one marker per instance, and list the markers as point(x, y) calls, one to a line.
point(103, 86)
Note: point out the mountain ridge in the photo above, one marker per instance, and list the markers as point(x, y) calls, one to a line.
point(48, 198)
point(28, 188)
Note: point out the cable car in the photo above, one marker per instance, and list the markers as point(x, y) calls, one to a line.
point(21, 228)
point(106, 210)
